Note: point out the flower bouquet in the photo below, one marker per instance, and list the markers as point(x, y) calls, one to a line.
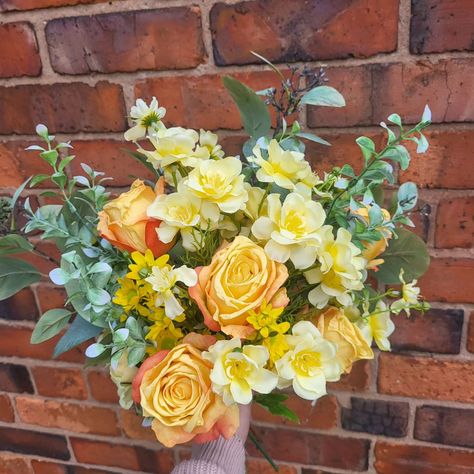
point(225, 280)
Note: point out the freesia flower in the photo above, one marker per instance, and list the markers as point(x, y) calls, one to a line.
point(292, 230)
point(277, 347)
point(237, 372)
point(145, 117)
point(409, 297)
point(310, 362)
point(265, 320)
point(378, 326)
point(208, 146)
point(340, 271)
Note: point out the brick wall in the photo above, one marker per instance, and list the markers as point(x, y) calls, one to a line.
point(77, 65)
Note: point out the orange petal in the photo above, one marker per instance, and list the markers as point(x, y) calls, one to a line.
point(147, 365)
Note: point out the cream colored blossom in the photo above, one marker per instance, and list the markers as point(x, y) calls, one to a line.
point(409, 297)
point(378, 327)
point(146, 117)
point(309, 363)
point(340, 272)
point(122, 375)
point(239, 370)
point(292, 229)
point(208, 146)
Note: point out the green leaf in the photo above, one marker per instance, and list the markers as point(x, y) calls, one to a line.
point(39, 178)
point(313, 138)
point(407, 196)
point(15, 275)
point(408, 252)
point(14, 243)
point(274, 403)
point(17, 194)
point(78, 332)
point(367, 147)
point(64, 162)
point(324, 96)
point(50, 156)
point(50, 324)
point(253, 111)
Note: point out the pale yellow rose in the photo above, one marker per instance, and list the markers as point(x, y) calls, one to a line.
point(239, 279)
point(125, 224)
point(351, 345)
point(174, 388)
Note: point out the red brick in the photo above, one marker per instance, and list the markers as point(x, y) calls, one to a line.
point(15, 5)
point(46, 467)
point(101, 386)
point(438, 330)
point(6, 411)
point(445, 425)
point(301, 30)
point(133, 458)
point(426, 377)
point(15, 378)
point(449, 279)
point(406, 459)
point(63, 107)
point(258, 466)
point(322, 416)
point(311, 448)
point(404, 88)
point(455, 223)
point(448, 162)
point(357, 380)
point(126, 41)
point(441, 25)
point(50, 297)
point(14, 464)
point(470, 334)
point(110, 157)
point(315, 471)
point(34, 443)
point(20, 55)
point(132, 426)
point(15, 342)
point(20, 307)
point(67, 416)
point(60, 382)
point(202, 101)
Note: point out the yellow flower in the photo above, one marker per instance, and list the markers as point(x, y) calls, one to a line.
point(208, 146)
point(340, 271)
point(292, 229)
point(219, 183)
point(143, 264)
point(410, 296)
point(378, 327)
point(334, 326)
point(133, 296)
point(277, 347)
point(146, 117)
point(122, 375)
point(256, 205)
point(237, 372)
point(163, 332)
point(265, 320)
point(283, 167)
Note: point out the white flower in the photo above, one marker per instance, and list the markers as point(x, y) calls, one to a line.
point(208, 146)
point(310, 362)
point(410, 296)
point(340, 271)
point(145, 117)
point(163, 280)
point(122, 375)
point(377, 327)
point(292, 230)
point(237, 371)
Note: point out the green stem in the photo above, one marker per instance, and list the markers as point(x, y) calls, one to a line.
point(259, 446)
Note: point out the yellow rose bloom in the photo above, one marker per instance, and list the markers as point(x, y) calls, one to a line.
point(351, 345)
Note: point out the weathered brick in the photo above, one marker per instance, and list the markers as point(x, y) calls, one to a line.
point(445, 425)
point(310, 448)
point(15, 5)
point(425, 377)
point(379, 417)
point(322, 416)
point(449, 279)
point(126, 41)
point(128, 457)
point(405, 88)
point(67, 416)
point(101, 386)
point(50, 297)
point(6, 410)
point(470, 334)
point(14, 464)
point(46, 467)
point(406, 459)
point(20, 307)
point(447, 163)
point(438, 330)
point(60, 382)
point(110, 157)
point(441, 25)
point(315, 471)
point(132, 426)
point(258, 466)
point(15, 378)
point(357, 380)
point(455, 223)
point(63, 107)
point(20, 55)
point(302, 30)
point(34, 443)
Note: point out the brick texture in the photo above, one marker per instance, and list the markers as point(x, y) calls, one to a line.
point(78, 66)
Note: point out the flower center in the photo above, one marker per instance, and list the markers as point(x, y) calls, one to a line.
point(307, 363)
point(237, 369)
point(150, 119)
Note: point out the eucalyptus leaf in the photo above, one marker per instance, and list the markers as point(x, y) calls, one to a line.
point(95, 350)
point(14, 243)
point(50, 324)
point(407, 196)
point(313, 138)
point(16, 275)
point(325, 96)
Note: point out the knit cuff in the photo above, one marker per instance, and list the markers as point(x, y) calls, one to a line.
point(228, 455)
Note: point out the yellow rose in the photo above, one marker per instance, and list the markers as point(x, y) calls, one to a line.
point(351, 344)
point(174, 387)
point(239, 279)
point(125, 224)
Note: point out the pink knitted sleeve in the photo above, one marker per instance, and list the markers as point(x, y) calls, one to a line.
point(217, 457)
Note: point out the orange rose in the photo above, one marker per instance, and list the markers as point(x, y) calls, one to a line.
point(239, 279)
point(174, 388)
point(125, 224)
